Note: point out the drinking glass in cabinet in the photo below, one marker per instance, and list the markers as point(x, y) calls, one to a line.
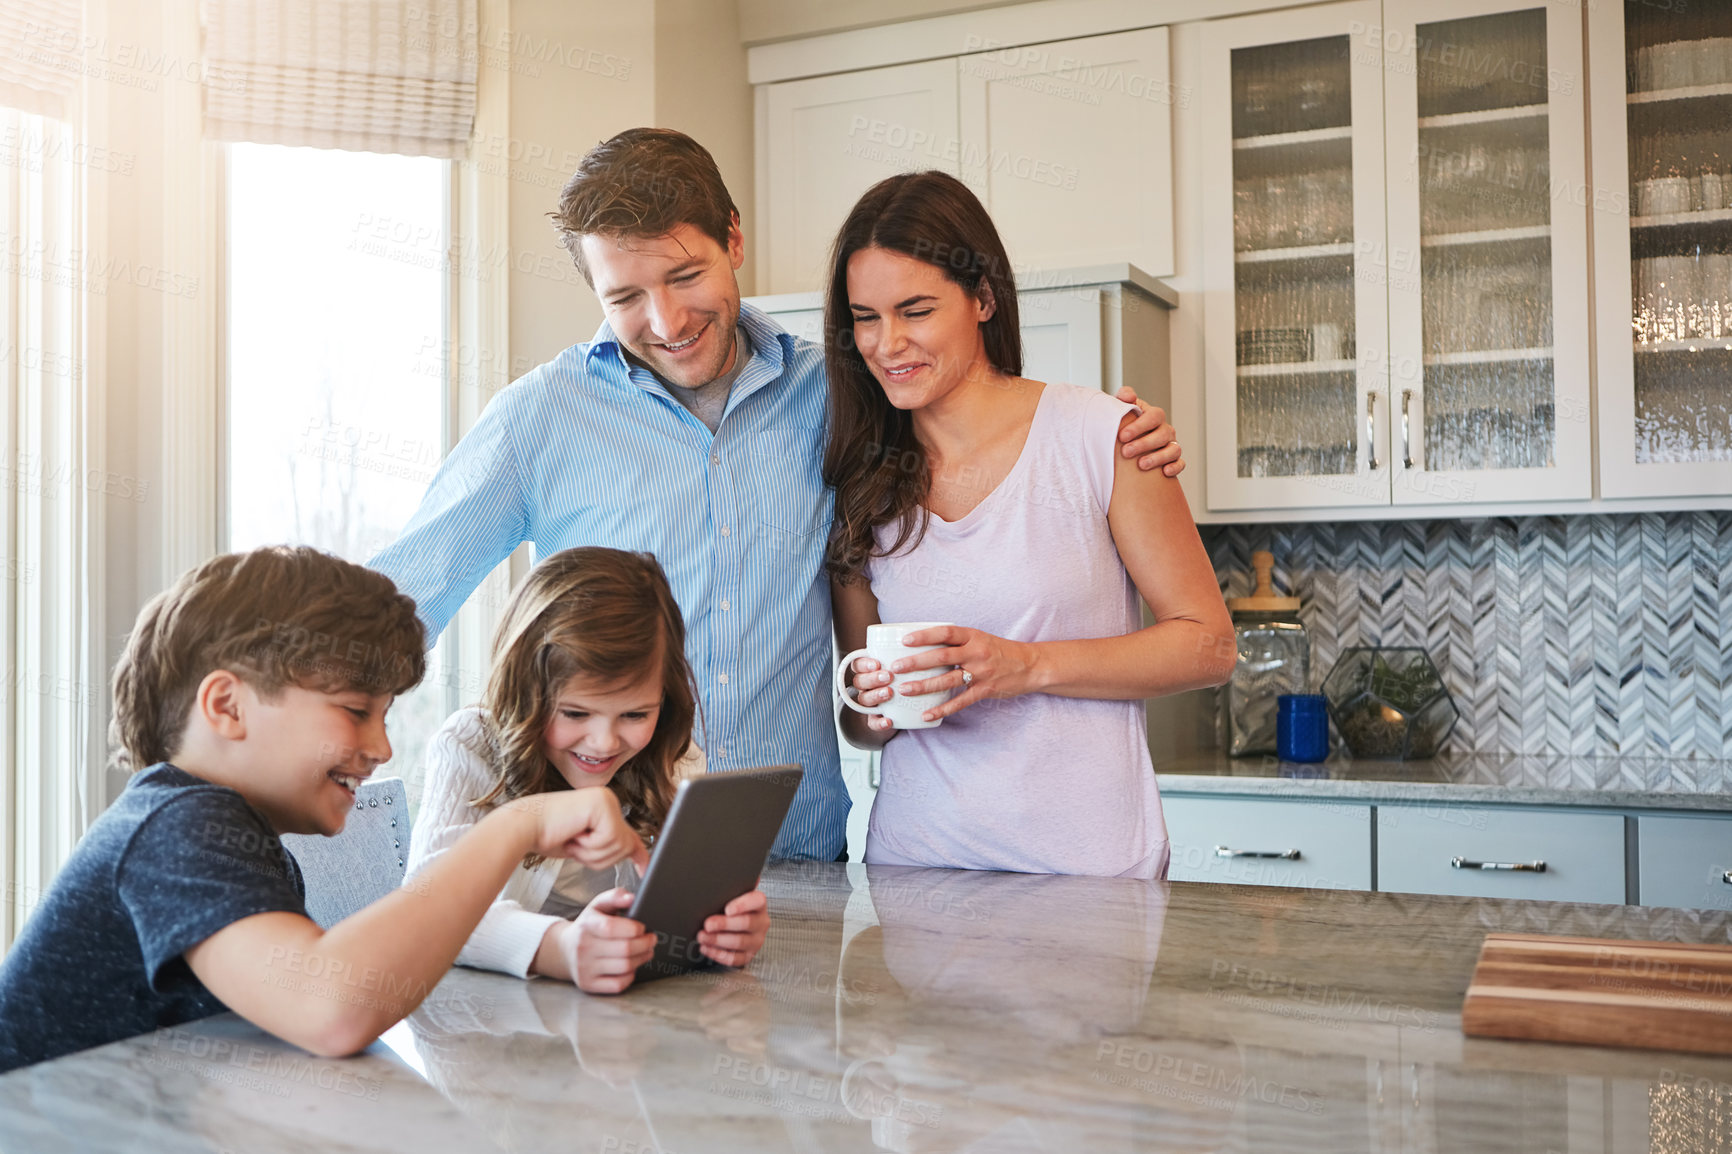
point(1677, 64)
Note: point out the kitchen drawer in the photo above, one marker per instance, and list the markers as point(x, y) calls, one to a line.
point(1332, 841)
point(1682, 861)
point(1583, 852)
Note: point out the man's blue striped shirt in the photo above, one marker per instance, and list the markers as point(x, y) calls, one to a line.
point(589, 449)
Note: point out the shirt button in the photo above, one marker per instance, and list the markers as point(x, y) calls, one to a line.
point(724, 530)
point(721, 753)
point(722, 678)
point(715, 458)
point(725, 605)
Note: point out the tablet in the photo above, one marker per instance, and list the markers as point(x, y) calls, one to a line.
point(711, 849)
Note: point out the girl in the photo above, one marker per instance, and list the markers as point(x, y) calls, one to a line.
point(967, 493)
point(589, 688)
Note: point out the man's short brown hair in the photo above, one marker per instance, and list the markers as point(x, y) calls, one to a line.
point(279, 616)
point(643, 182)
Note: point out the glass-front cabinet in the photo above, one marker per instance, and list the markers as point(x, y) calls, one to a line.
point(1488, 293)
point(1663, 230)
point(1396, 293)
point(1295, 313)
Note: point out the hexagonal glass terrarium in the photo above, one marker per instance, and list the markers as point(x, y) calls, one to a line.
point(1389, 702)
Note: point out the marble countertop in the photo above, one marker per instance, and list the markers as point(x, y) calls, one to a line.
point(936, 1010)
point(1507, 779)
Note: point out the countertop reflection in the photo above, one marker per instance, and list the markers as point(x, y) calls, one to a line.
point(937, 1010)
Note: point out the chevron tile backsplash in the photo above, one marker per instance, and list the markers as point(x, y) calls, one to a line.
point(1586, 635)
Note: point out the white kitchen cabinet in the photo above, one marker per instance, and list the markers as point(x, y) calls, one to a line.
point(1672, 859)
point(1501, 852)
point(1685, 861)
point(1061, 335)
point(1396, 306)
point(1102, 326)
point(800, 313)
point(1246, 841)
point(1293, 261)
point(1662, 197)
point(1069, 146)
point(1061, 330)
point(827, 140)
point(1488, 292)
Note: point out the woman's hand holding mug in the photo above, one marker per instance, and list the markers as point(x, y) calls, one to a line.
point(907, 676)
point(881, 697)
point(952, 657)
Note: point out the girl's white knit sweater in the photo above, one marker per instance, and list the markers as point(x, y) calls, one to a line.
point(458, 770)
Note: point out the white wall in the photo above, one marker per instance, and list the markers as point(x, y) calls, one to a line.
point(702, 90)
point(583, 70)
point(141, 212)
point(765, 20)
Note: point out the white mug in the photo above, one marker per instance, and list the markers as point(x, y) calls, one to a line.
point(884, 645)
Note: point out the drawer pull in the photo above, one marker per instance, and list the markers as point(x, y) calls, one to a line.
point(1534, 867)
point(1286, 855)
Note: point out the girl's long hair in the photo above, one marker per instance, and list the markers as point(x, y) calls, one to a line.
point(873, 460)
point(608, 615)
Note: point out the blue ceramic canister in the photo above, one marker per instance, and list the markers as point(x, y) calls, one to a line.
point(1301, 727)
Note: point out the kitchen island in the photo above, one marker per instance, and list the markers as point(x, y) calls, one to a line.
point(937, 1010)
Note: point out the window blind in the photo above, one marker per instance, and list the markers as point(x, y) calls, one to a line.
point(363, 75)
point(41, 62)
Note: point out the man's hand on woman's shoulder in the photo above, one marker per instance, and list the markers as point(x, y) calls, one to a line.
point(1148, 437)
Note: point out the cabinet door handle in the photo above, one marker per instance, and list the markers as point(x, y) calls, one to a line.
point(1287, 855)
point(1535, 867)
point(1371, 431)
point(1406, 433)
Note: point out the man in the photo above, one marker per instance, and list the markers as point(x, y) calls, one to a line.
point(692, 428)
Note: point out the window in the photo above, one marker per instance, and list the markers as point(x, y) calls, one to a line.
point(337, 290)
point(51, 764)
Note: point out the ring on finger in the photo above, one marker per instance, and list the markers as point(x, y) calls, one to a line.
point(967, 678)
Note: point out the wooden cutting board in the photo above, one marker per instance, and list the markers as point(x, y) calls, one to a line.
point(1602, 992)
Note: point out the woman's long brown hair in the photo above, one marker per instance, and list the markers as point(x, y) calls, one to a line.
point(609, 615)
point(873, 460)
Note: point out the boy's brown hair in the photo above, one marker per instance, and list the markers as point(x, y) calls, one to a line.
point(278, 616)
point(643, 182)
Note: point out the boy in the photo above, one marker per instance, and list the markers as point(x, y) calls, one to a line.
point(255, 692)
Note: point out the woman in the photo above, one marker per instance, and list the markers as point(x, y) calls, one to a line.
point(968, 493)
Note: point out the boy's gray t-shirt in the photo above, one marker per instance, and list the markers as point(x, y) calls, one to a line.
point(173, 860)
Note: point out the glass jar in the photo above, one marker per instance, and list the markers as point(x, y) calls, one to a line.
point(1274, 659)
